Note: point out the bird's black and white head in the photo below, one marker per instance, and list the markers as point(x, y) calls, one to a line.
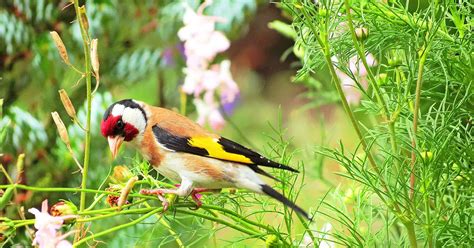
point(124, 120)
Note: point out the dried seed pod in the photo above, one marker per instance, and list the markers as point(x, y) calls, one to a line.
point(71, 111)
point(61, 128)
point(1, 107)
point(125, 191)
point(83, 15)
point(60, 46)
point(20, 165)
point(64, 136)
point(95, 57)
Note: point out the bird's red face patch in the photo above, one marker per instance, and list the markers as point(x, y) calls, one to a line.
point(107, 126)
point(113, 126)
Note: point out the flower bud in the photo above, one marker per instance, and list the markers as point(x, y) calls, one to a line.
point(6, 196)
point(61, 128)
point(60, 46)
point(323, 12)
point(361, 33)
point(7, 229)
point(71, 111)
point(411, 106)
point(394, 61)
point(427, 155)
point(120, 175)
point(456, 168)
point(381, 78)
point(272, 241)
point(64, 208)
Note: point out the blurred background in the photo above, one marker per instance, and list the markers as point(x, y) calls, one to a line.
point(141, 57)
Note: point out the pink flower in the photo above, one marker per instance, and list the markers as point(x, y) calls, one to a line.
point(47, 226)
point(209, 83)
point(209, 112)
point(229, 88)
point(201, 41)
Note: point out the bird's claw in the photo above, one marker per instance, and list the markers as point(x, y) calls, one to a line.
point(159, 193)
point(196, 200)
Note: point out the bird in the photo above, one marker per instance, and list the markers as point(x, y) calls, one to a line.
point(183, 151)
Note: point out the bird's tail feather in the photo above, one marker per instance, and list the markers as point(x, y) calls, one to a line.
point(281, 198)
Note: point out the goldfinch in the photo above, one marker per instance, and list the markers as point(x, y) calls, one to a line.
point(183, 151)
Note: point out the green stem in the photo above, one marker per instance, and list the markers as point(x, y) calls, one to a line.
point(122, 212)
point(221, 221)
point(116, 228)
point(25, 223)
point(411, 234)
point(361, 53)
point(419, 82)
point(108, 210)
point(323, 40)
point(170, 229)
point(88, 76)
point(39, 189)
point(414, 22)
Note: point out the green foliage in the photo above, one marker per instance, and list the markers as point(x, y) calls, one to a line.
point(427, 60)
point(20, 131)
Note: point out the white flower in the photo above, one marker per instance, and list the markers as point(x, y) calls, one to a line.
point(323, 237)
point(47, 226)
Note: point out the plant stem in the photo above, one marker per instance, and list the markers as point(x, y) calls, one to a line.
point(419, 82)
point(170, 229)
point(87, 73)
point(116, 228)
point(361, 53)
point(115, 213)
point(324, 43)
point(221, 221)
point(412, 21)
point(411, 233)
point(94, 191)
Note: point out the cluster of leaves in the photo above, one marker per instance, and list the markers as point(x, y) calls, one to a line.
point(415, 155)
point(144, 50)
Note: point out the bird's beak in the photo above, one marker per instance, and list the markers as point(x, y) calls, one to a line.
point(114, 144)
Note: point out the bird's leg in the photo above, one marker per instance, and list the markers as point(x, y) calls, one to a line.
point(195, 195)
point(184, 189)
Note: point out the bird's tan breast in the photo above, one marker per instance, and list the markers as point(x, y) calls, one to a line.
point(150, 149)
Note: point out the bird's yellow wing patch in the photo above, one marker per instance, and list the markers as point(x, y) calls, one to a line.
point(216, 150)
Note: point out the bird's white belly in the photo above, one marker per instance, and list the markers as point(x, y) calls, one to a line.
point(204, 172)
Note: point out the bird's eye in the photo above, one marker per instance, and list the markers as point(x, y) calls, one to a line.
point(119, 124)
